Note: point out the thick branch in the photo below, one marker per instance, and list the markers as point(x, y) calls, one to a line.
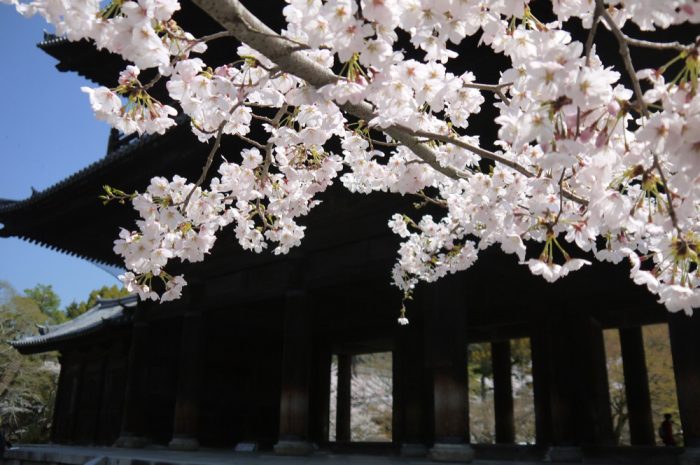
point(249, 29)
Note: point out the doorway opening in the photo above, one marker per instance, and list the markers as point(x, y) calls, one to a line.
point(361, 400)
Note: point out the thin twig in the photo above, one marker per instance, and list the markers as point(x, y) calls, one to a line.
point(193, 42)
point(657, 45)
point(262, 118)
point(426, 198)
point(495, 88)
point(561, 196)
point(215, 36)
point(207, 165)
point(152, 82)
point(592, 32)
point(380, 143)
point(251, 141)
point(475, 149)
point(669, 195)
point(495, 157)
point(268, 148)
point(210, 157)
point(625, 55)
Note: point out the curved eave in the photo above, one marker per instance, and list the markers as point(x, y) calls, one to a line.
point(54, 337)
point(68, 216)
point(99, 66)
point(112, 158)
point(49, 344)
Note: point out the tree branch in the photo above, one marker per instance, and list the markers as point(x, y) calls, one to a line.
point(625, 55)
point(622, 40)
point(275, 123)
point(495, 88)
point(592, 32)
point(247, 28)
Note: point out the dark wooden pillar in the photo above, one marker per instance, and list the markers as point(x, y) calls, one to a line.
point(637, 387)
point(76, 388)
point(134, 415)
point(574, 379)
point(296, 368)
point(102, 379)
point(446, 304)
point(591, 388)
point(563, 372)
point(65, 412)
point(77, 391)
point(684, 332)
point(540, 347)
point(320, 393)
point(186, 415)
point(343, 399)
point(503, 392)
point(411, 396)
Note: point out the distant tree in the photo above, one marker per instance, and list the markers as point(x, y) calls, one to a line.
point(480, 367)
point(27, 383)
point(75, 309)
point(48, 301)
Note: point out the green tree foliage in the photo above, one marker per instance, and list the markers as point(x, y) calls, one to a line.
point(48, 301)
point(27, 383)
point(105, 292)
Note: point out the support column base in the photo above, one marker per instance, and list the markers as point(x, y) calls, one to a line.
point(413, 450)
point(564, 454)
point(131, 441)
point(292, 447)
point(442, 452)
point(690, 456)
point(183, 443)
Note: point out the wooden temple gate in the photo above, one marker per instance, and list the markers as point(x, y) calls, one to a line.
point(245, 356)
point(249, 364)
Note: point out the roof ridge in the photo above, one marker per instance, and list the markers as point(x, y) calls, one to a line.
point(112, 157)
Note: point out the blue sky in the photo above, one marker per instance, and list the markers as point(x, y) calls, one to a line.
point(47, 132)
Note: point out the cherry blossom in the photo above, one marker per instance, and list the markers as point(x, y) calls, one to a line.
point(585, 167)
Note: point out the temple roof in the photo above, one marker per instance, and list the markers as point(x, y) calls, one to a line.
point(69, 217)
point(99, 66)
point(107, 312)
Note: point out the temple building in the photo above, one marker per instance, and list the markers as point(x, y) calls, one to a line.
point(244, 357)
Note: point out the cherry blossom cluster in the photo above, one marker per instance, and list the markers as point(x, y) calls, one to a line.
point(141, 113)
point(180, 219)
point(585, 164)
